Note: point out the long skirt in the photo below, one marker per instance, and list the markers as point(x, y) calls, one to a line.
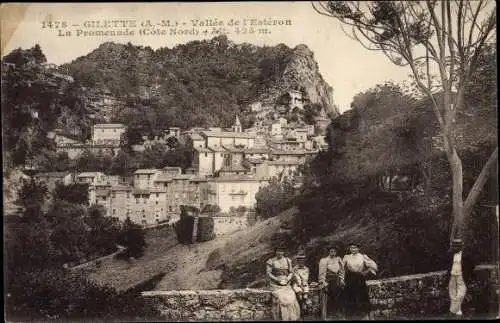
point(357, 301)
point(457, 290)
point(330, 297)
point(285, 306)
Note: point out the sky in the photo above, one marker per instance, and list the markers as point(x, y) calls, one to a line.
point(344, 63)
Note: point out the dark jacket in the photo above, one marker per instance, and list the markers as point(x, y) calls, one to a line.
point(468, 265)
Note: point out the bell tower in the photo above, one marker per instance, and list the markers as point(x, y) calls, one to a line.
point(237, 125)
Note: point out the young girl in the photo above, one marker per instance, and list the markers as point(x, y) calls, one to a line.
point(301, 280)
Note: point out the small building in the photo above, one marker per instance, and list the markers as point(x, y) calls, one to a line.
point(143, 178)
point(51, 179)
point(232, 191)
point(105, 133)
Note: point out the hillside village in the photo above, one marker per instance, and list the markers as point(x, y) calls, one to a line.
point(229, 166)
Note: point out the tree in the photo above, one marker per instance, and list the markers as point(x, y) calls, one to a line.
point(32, 193)
point(133, 238)
point(172, 142)
point(103, 231)
point(443, 35)
point(73, 193)
point(274, 198)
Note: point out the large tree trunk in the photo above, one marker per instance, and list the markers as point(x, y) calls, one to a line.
point(457, 229)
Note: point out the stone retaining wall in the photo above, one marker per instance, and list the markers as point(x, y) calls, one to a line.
point(412, 296)
point(229, 224)
point(211, 305)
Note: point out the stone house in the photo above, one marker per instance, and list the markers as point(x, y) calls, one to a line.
point(107, 133)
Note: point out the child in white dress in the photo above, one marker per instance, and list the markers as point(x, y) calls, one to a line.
point(301, 281)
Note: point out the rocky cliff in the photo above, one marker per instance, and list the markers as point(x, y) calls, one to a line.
point(200, 83)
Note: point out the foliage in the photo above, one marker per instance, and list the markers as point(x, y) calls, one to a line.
point(441, 42)
point(274, 198)
point(201, 83)
point(211, 208)
point(73, 193)
point(205, 229)
point(133, 238)
point(103, 232)
point(36, 285)
point(32, 192)
point(34, 102)
point(184, 229)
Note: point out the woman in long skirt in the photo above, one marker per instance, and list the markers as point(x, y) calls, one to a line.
point(279, 271)
point(357, 267)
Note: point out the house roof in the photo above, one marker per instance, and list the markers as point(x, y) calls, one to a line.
point(140, 191)
point(53, 174)
point(289, 152)
point(236, 178)
point(90, 174)
point(121, 188)
point(146, 171)
point(202, 150)
point(283, 162)
point(109, 125)
point(195, 136)
point(233, 168)
point(163, 178)
point(256, 160)
point(101, 192)
point(227, 134)
point(158, 190)
point(217, 149)
point(183, 176)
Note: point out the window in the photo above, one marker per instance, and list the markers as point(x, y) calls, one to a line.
point(170, 208)
point(156, 202)
point(114, 195)
point(165, 184)
point(206, 155)
point(104, 198)
point(137, 201)
point(114, 211)
point(102, 130)
point(114, 130)
point(222, 155)
point(128, 195)
point(157, 194)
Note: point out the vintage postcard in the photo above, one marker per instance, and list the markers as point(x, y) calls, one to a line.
point(212, 161)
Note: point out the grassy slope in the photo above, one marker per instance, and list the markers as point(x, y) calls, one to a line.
point(122, 274)
point(230, 261)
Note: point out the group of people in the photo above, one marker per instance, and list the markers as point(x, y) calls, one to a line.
point(342, 282)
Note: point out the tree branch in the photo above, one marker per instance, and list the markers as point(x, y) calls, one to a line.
point(479, 183)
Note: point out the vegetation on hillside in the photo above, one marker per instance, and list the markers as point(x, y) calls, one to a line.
point(200, 83)
point(33, 103)
point(38, 245)
point(384, 182)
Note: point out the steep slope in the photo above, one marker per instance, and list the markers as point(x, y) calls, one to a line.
point(201, 82)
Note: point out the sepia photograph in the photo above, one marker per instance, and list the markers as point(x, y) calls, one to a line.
point(250, 161)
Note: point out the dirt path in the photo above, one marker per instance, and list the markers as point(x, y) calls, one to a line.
point(190, 262)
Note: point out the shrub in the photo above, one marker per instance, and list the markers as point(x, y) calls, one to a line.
point(184, 229)
point(205, 229)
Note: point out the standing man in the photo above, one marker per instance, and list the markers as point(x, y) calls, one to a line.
point(331, 280)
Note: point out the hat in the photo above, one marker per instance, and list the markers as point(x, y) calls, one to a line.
point(456, 243)
point(300, 255)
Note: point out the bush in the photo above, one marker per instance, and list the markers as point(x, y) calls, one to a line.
point(133, 238)
point(205, 229)
point(184, 229)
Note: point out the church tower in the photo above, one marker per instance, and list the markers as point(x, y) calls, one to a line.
point(237, 125)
